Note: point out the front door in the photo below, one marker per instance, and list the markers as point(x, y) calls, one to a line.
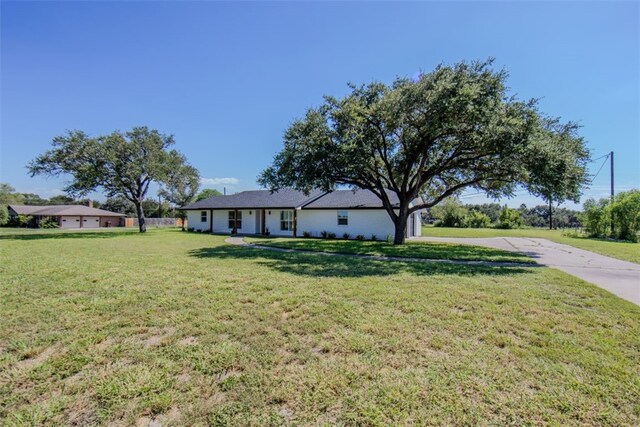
point(258, 218)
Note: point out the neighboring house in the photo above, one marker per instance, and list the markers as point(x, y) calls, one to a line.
point(292, 213)
point(71, 216)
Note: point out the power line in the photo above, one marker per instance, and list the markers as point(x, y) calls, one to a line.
point(601, 166)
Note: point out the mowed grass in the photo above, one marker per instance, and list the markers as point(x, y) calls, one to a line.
point(425, 250)
point(626, 251)
point(186, 330)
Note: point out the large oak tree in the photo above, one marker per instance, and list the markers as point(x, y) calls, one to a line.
point(120, 163)
point(451, 129)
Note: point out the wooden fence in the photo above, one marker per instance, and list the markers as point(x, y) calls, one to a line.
point(154, 222)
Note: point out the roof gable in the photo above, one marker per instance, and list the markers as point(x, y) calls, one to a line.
point(61, 210)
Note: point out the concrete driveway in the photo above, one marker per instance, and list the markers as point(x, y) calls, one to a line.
point(621, 278)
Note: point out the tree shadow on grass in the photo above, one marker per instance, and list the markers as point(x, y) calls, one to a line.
point(60, 234)
point(318, 265)
point(428, 250)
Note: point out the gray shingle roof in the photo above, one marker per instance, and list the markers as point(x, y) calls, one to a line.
point(61, 210)
point(349, 199)
point(257, 199)
point(339, 199)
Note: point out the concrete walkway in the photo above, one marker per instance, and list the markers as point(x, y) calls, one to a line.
point(621, 278)
point(239, 241)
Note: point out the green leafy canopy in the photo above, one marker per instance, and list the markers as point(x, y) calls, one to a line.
point(121, 163)
point(453, 128)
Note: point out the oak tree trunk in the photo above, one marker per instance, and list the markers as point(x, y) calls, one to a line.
point(141, 220)
point(401, 225)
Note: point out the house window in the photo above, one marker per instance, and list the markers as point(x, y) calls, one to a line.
point(203, 216)
point(286, 220)
point(232, 219)
point(343, 217)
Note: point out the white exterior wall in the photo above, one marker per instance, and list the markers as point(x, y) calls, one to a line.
point(193, 220)
point(248, 226)
point(361, 221)
point(273, 222)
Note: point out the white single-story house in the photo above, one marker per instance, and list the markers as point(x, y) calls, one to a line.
point(292, 213)
point(70, 216)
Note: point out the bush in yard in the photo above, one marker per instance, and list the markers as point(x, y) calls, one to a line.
point(48, 222)
point(346, 236)
point(596, 217)
point(626, 215)
point(477, 219)
point(374, 237)
point(492, 210)
point(360, 237)
point(21, 221)
point(449, 213)
point(324, 234)
point(331, 235)
point(509, 218)
point(306, 234)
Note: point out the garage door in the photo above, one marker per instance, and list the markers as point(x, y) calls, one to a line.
point(70, 222)
point(91, 222)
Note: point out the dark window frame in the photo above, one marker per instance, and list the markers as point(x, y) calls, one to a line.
point(344, 218)
point(286, 224)
point(231, 217)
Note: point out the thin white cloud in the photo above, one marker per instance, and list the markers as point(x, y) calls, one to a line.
point(219, 181)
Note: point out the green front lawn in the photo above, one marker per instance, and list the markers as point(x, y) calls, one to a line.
point(426, 250)
point(626, 251)
point(123, 328)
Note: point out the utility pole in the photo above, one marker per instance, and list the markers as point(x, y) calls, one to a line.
point(612, 192)
point(159, 207)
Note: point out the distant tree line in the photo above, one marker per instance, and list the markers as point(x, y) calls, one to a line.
point(599, 218)
point(453, 213)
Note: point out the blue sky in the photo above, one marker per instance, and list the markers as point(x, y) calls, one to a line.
point(227, 78)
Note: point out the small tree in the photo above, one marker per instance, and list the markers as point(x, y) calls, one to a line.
point(122, 164)
point(596, 217)
point(509, 218)
point(626, 215)
point(181, 188)
point(451, 129)
point(449, 213)
point(476, 219)
point(492, 210)
point(207, 193)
